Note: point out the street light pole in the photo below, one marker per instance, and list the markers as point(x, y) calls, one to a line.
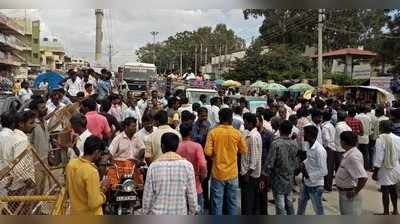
point(320, 26)
point(154, 33)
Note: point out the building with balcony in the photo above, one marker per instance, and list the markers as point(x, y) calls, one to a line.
point(10, 46)
point(52, 53)
point(75, 62)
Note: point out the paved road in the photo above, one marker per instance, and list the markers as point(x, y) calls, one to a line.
point(371, 201)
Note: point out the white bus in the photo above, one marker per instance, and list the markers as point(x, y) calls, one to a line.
point(137, 75)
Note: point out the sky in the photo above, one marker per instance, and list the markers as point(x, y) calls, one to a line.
point(128, 30)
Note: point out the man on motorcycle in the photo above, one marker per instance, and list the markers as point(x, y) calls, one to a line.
point(126, 146)
point(85, 190)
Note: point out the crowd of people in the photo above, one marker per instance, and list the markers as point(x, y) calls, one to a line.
point(209, 157)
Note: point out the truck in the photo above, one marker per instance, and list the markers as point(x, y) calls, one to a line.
point(139, 75)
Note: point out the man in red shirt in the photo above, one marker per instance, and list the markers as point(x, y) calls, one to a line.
point(193, 152)
point(97, 124)
point(355, 124)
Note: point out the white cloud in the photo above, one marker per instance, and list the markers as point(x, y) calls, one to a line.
point(131, 28)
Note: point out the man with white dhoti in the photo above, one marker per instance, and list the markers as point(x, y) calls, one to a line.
point(387, 166)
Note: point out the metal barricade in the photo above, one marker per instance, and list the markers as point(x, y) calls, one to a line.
point(29, 187)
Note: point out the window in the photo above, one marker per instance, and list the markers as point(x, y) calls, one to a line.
point(35, 55)
point(35, 41)
point(45, 39)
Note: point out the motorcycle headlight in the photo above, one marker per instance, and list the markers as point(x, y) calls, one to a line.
point(128, 186)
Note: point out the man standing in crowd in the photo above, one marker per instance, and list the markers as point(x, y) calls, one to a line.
point(153, 149)
point(7, 120)
point(78, 125)
point(201, 128)
point(193, 152)
point(387, 167)
point(316, 119)
point(73, 84)
point(40, 139)
point(341, 126)
point(223, 144)
point(363, 140)
point(328, 141)
point(85, 190)
point(170, 187)
point(351, 176)
point(266, 138)
point(144, 133)
point(23, 175)
point(250, 169)
point(96, 123)
point(314, 170)
point(354, 123)
point(281, 164)
point(213, 111)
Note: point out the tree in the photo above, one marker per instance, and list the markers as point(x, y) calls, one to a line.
point(168, 52)
point(298, 27)
point(279, 62)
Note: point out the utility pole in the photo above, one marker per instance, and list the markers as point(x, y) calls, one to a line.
point(110, 57)
point(225, 56)
point(195, 60)
point(180, 62)
point(154, 33)
point(205, 57)
point(219, 60)
point(201, 54)
point(320, 26)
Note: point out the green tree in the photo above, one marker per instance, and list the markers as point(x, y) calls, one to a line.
point(203, 39)
point(279, 62)
point(298, 27)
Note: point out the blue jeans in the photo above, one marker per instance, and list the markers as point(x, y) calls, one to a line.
point(224, 191)
point(313, 193)
point(200, 202)
point(283, 204)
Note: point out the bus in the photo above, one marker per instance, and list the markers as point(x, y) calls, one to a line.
point(138, 75)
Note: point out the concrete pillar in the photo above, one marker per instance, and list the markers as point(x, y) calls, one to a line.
point(348, 66)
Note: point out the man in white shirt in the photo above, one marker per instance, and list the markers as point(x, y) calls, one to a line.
point(341, 126)
point(213, 111)
point(328, 141)
point(23, 174)
point(74, 84)
point(125, 146)
point(363, 140)
point(7, 126)
point(237, 119)
point(314, 170)
point(142, 103)
point(144, 133)
point(78, 124)
point(153, 149)
point(250, 171)
point(54, 102)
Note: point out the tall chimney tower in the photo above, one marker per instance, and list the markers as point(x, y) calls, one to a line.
point(99, 34)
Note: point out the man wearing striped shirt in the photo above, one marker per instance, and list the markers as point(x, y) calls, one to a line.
point(251, 166)
point(170, 187)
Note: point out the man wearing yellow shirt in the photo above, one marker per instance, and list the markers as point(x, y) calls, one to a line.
point(83, 181)
point(223, 145)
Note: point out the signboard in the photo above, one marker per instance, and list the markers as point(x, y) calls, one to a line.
point(381, 82)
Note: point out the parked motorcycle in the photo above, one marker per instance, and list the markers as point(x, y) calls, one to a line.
point(127, 183)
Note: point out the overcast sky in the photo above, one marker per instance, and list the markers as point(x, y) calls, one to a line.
point(130, 29)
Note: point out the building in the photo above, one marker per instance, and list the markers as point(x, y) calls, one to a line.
point(11, 47)
point(75, 62)
point(52, 53)
point(223, 63)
